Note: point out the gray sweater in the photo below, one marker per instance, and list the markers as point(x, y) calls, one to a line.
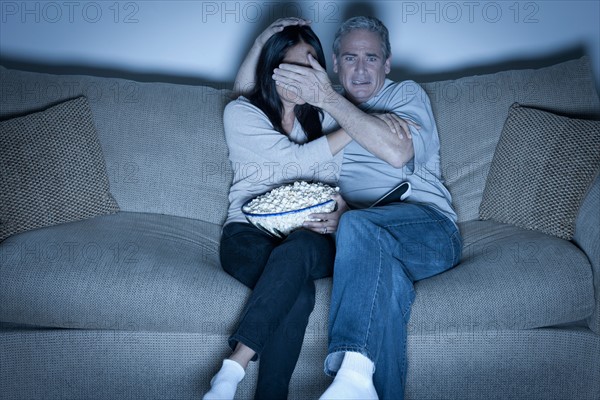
point(263, 158)
point(365, 178)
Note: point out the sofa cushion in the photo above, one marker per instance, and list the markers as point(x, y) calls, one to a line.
point(52, 169)
point(470, 113)
point(136, 271)
point(508, 278)
point(587, 237)
point(541, 171)
point(131, 271)
point(164, 144)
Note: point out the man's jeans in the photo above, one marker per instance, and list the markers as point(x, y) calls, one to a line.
point(381, 252)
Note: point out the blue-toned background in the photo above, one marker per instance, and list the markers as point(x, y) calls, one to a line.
point(206, 40)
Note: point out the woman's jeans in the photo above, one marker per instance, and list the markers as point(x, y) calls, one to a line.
point(381, 252)
point(281, 274)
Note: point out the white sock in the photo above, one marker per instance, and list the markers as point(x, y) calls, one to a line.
point(354, 380)
point(224, 384)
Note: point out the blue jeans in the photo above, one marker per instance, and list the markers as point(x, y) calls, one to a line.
point(381, 252)
point(281, 273)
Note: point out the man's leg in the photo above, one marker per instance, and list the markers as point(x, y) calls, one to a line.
point(380, 252)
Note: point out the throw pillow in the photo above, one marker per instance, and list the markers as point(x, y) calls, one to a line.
point(541, 170)
point(52, 169)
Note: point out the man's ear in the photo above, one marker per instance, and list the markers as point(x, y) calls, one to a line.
point(335, 65)
point(388, 65)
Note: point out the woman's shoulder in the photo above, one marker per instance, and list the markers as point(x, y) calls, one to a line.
point(241, 103)
point(241, 108)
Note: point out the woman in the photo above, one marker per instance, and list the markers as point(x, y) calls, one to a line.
point(274, 137)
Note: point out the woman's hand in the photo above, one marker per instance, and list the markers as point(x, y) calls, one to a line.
point(245, 80)
point(397, 125)
point(327, 222)
point(277, 26)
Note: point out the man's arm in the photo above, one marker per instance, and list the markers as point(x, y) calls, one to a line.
point(372, 132)
point(388, 140)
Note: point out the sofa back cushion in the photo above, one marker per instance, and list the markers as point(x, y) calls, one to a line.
point(164, 143)
point(166, 152)
point(470, 113)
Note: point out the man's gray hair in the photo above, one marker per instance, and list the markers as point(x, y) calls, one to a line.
point(370, 24)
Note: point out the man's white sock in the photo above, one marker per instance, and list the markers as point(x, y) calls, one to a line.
point(354, 380)
point(224, 384)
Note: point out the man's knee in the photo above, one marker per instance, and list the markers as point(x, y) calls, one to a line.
point(355, 223)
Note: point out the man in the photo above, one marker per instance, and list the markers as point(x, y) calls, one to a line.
point(381, 251)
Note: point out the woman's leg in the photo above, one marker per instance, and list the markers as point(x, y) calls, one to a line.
point(247, 267)
point(275, 318)
point(302, 256)
point(280, 354)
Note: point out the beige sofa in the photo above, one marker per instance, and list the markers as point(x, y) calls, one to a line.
point(134, 305)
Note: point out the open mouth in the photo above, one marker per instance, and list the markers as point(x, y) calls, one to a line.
point(356, 82)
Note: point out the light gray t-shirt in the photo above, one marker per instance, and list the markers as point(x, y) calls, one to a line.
point(262, 158)
point(365, 178)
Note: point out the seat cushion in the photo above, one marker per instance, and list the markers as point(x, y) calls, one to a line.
point(508, 278)
point(149, 272)
point(131, 271)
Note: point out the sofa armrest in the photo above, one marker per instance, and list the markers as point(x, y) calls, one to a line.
point(587, 237)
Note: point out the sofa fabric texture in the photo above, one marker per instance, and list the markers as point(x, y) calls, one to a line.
point(163, 143)
point(53, 169)
point(134, 305)
point(543, 166)
point(470, 113)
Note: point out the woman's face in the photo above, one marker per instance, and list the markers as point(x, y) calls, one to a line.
point(297, 54)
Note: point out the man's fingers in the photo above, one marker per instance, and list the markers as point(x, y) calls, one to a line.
point(314, 63)
point(285, 77)
point(297, 69)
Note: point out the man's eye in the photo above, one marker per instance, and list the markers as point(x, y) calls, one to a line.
point(371, 59)
point(349, 58)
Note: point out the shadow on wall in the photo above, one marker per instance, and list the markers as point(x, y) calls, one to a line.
point(397, 73)
point(350, 9)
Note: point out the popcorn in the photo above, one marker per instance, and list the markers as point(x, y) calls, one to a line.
point(285, 208)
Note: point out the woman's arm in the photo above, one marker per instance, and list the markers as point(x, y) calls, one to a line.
point(246, 76)
point(338, 140)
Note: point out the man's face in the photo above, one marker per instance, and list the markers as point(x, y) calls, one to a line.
point(360, 65)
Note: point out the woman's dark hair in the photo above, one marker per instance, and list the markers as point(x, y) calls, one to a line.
point(265, 95)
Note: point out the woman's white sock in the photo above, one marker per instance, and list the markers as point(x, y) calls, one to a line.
point(354, 380)
point(224, 384)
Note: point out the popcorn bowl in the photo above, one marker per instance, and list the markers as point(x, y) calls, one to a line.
point(282, 223)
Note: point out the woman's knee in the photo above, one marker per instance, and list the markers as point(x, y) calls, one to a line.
point(309, 245)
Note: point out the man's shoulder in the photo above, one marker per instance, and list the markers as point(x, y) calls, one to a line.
point(404, 88)
point(399, 94)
